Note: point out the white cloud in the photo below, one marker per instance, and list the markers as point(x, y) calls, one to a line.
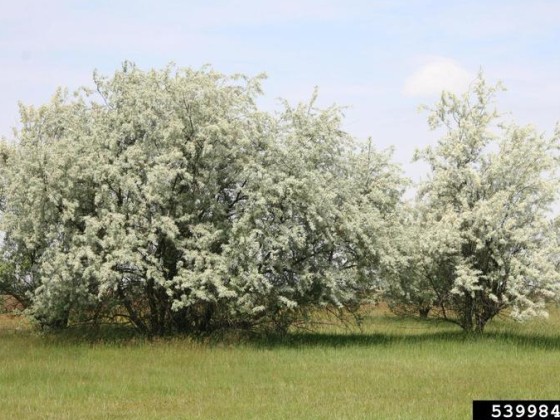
point(437, 75)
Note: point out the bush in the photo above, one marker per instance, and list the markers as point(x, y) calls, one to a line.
point(169, 199)
point(481, 240)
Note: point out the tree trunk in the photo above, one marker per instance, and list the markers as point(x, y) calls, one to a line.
point(423, 312)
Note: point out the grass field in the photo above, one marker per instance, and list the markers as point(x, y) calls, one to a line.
point(394, 368)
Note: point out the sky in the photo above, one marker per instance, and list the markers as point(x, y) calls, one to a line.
point(380, 59)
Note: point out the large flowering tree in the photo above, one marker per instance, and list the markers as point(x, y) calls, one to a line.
point(169, 199)
point(480, 240)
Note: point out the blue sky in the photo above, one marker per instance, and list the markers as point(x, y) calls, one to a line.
point(380, 58)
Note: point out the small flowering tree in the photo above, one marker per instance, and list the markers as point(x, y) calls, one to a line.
point(169, 199)
point(482, 242)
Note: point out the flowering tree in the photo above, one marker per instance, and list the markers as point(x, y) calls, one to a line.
point(483, 218)
point(169, 199)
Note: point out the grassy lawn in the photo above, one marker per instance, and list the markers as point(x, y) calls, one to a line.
point(393, 369)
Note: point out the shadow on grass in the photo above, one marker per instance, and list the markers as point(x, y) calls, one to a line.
point(124, 335)
point(302, 340)
point(109, 334)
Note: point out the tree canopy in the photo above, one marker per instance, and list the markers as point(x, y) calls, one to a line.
point(480, 239)
point(169, 199)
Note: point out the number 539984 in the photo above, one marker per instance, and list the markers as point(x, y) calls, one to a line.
point(483, 410)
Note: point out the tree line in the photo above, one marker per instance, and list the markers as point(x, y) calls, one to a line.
point(169, 200)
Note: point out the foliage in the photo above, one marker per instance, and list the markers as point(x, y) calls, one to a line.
point(169, 199)
point(481, 239)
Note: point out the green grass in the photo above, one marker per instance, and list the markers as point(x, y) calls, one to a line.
point(394, 368)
